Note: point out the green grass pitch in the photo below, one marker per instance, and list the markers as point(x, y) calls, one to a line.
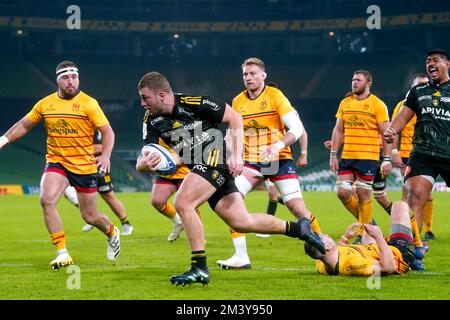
point(280, 268)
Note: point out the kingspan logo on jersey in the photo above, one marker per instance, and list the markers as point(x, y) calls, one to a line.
point(62, 127)
point(354, 121)
point(253, 128)
point(214, 106)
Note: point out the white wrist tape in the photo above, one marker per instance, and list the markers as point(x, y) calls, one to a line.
point(3, 141)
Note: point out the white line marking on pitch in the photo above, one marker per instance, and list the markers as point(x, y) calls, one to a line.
point(257, 268)
point(15, 265)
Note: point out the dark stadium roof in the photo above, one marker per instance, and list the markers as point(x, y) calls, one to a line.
point(207, 10)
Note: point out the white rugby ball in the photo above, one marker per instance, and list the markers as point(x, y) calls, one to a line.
point(167, 164)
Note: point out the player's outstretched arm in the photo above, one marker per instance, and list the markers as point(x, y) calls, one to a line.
point(17, 131)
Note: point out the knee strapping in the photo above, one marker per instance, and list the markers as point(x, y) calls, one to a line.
point(347, 185)
point(289, 189)
point(379, 193)
point(243, 185)
point(363, 185)
point(401, 228)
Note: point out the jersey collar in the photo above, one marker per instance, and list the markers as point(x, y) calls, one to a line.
point(436, 85)
point(248, 96)
point(78, 92)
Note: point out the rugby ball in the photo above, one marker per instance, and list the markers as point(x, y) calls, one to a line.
point(167, 164)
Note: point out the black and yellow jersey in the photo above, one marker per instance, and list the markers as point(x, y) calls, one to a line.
point(191, 131)
point(431, 104)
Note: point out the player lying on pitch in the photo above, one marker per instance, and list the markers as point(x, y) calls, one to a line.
point(374, 255)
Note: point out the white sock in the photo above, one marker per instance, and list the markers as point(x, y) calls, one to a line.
point(176, 219)
point(240, 245)
point(62, 251)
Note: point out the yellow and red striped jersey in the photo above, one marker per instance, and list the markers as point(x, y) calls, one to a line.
point(70, 126)
point(407, 133)
point(358, 260)
point(362, 139)
point(262, 121)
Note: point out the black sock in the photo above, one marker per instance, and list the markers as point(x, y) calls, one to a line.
point(292, 229)
point(272, 207)
point(124, 220)
point(198, 259)
point(280, 201)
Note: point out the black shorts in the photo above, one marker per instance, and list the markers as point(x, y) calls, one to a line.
point(104, 183)
point(405, 247)
point(363, 169)
point(421, 164)
point(275, 170)
point(86, 183)
point(220, 178)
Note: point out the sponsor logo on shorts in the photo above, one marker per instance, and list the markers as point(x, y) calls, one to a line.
point(220, 180)
point(93, 183)
point(200, 167)
point(291, 169)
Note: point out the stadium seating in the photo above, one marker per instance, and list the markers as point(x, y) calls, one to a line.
point(20, 79)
